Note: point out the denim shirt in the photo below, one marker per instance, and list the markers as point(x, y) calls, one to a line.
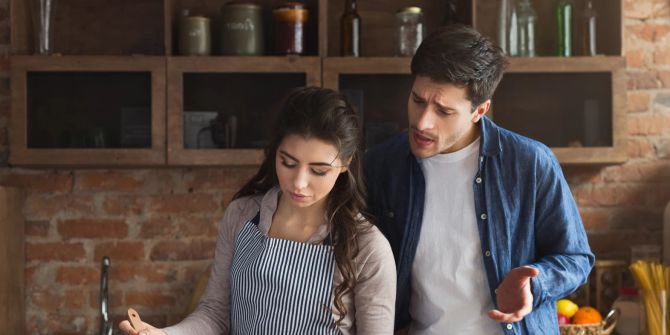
point(526, 215)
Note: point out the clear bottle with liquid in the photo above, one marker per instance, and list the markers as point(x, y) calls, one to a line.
point(526, 23)
point(563, 11)
point(589, 19)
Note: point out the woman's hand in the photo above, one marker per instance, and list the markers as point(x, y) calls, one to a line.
point(127, 329)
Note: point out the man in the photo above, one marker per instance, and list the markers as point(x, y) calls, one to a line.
point(483, 226)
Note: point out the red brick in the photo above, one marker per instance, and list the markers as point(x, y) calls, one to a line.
point(648, 124)
point(149, 299)
point(39, 182)
point(662, 56)
point(649, 32)
point(664, 77)
point(75, 299)
point(144, 272)
point(594, 219)
point(37, 228)
point(199, 227)
point(91, 228)
point(638, 102)
point(616, 196)
point(640, 148)
point(635, 59)
point(643, 80)
point(78, 275)
point(218, 179)
point(636, 9)
point(120, 251)
point(123, 205)
point(158, 227)
point(45, 207)
point(45, 298)
point(55, 322)
point(107, 181)
point(659, 195)
point(55, 251)
point(182, 250)
point(648, 172)
point(577, 175)
point(183, 203)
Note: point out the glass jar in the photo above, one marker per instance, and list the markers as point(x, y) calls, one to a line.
point(410, 30)
point(241, 29)
point(290, 21)
point(631, 318)
point(526, 19)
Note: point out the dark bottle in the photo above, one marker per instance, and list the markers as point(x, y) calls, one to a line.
point(350, 31)
point(451, 16)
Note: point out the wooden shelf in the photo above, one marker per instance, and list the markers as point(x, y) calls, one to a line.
point(235, 80)
point(22, 67)
point(248, 87)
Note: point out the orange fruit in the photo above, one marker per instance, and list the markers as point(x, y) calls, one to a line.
point(586, 315)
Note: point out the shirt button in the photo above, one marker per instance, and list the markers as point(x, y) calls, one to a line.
point(390, 215)
point(509, 326)
point(483, 216)
point(478, 180)
point(487, 253)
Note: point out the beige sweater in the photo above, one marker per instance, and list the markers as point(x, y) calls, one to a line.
point(370, 307)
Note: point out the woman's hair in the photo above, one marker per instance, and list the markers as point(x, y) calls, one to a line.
point(324, 114)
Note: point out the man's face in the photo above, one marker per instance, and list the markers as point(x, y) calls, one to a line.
point(441, 118)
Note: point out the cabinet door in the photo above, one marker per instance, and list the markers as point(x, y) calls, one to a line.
point(221, 111)
point(88, 111)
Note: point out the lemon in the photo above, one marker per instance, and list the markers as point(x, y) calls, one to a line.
point(566, 307)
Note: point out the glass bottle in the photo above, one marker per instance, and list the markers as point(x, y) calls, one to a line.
point(526, 19)
point(410, 30)
point(564, 28)
point(503, 25)
point(350, 30)
point(451, 15)
point(589, 29)
point(290, 20)
point(513, 39)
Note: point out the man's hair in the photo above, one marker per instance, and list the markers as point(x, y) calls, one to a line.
point(460, 55)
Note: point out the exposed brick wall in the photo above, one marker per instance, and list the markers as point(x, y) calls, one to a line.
point(159, 226)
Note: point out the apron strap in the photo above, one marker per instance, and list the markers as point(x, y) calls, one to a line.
point(327, 241)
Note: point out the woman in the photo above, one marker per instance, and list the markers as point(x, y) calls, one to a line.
point(295, 255)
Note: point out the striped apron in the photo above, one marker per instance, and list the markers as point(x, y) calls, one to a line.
point(280, 286)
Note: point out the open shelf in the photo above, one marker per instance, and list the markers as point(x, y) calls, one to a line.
point(88, 110)
point(200, 91)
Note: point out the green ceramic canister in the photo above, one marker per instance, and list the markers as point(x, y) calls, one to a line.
point(241, 28)
point(194, 36)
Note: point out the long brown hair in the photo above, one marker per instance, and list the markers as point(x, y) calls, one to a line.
point(313, 112)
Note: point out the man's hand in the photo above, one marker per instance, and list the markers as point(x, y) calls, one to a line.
point(513, 296)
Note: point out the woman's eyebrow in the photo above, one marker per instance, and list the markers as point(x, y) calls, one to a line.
point(297, 160)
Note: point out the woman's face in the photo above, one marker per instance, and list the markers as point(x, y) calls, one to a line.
point(307, 169)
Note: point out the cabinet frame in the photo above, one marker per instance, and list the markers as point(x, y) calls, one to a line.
point(176, 153)
point(21, 154)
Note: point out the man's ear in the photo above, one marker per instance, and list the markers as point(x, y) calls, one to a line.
point(481, 110)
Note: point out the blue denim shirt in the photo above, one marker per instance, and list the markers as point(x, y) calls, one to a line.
point(526, 215)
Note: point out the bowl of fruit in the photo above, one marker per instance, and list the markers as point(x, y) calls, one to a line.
point(585, 320)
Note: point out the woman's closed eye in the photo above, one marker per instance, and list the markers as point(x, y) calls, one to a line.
point(316, 172)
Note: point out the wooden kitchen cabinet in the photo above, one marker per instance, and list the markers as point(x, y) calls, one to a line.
point(12, 259)
point(583, 96)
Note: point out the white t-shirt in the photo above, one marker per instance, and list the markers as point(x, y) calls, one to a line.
point(450, 292)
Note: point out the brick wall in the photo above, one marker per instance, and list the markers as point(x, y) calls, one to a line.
point(158, 226)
